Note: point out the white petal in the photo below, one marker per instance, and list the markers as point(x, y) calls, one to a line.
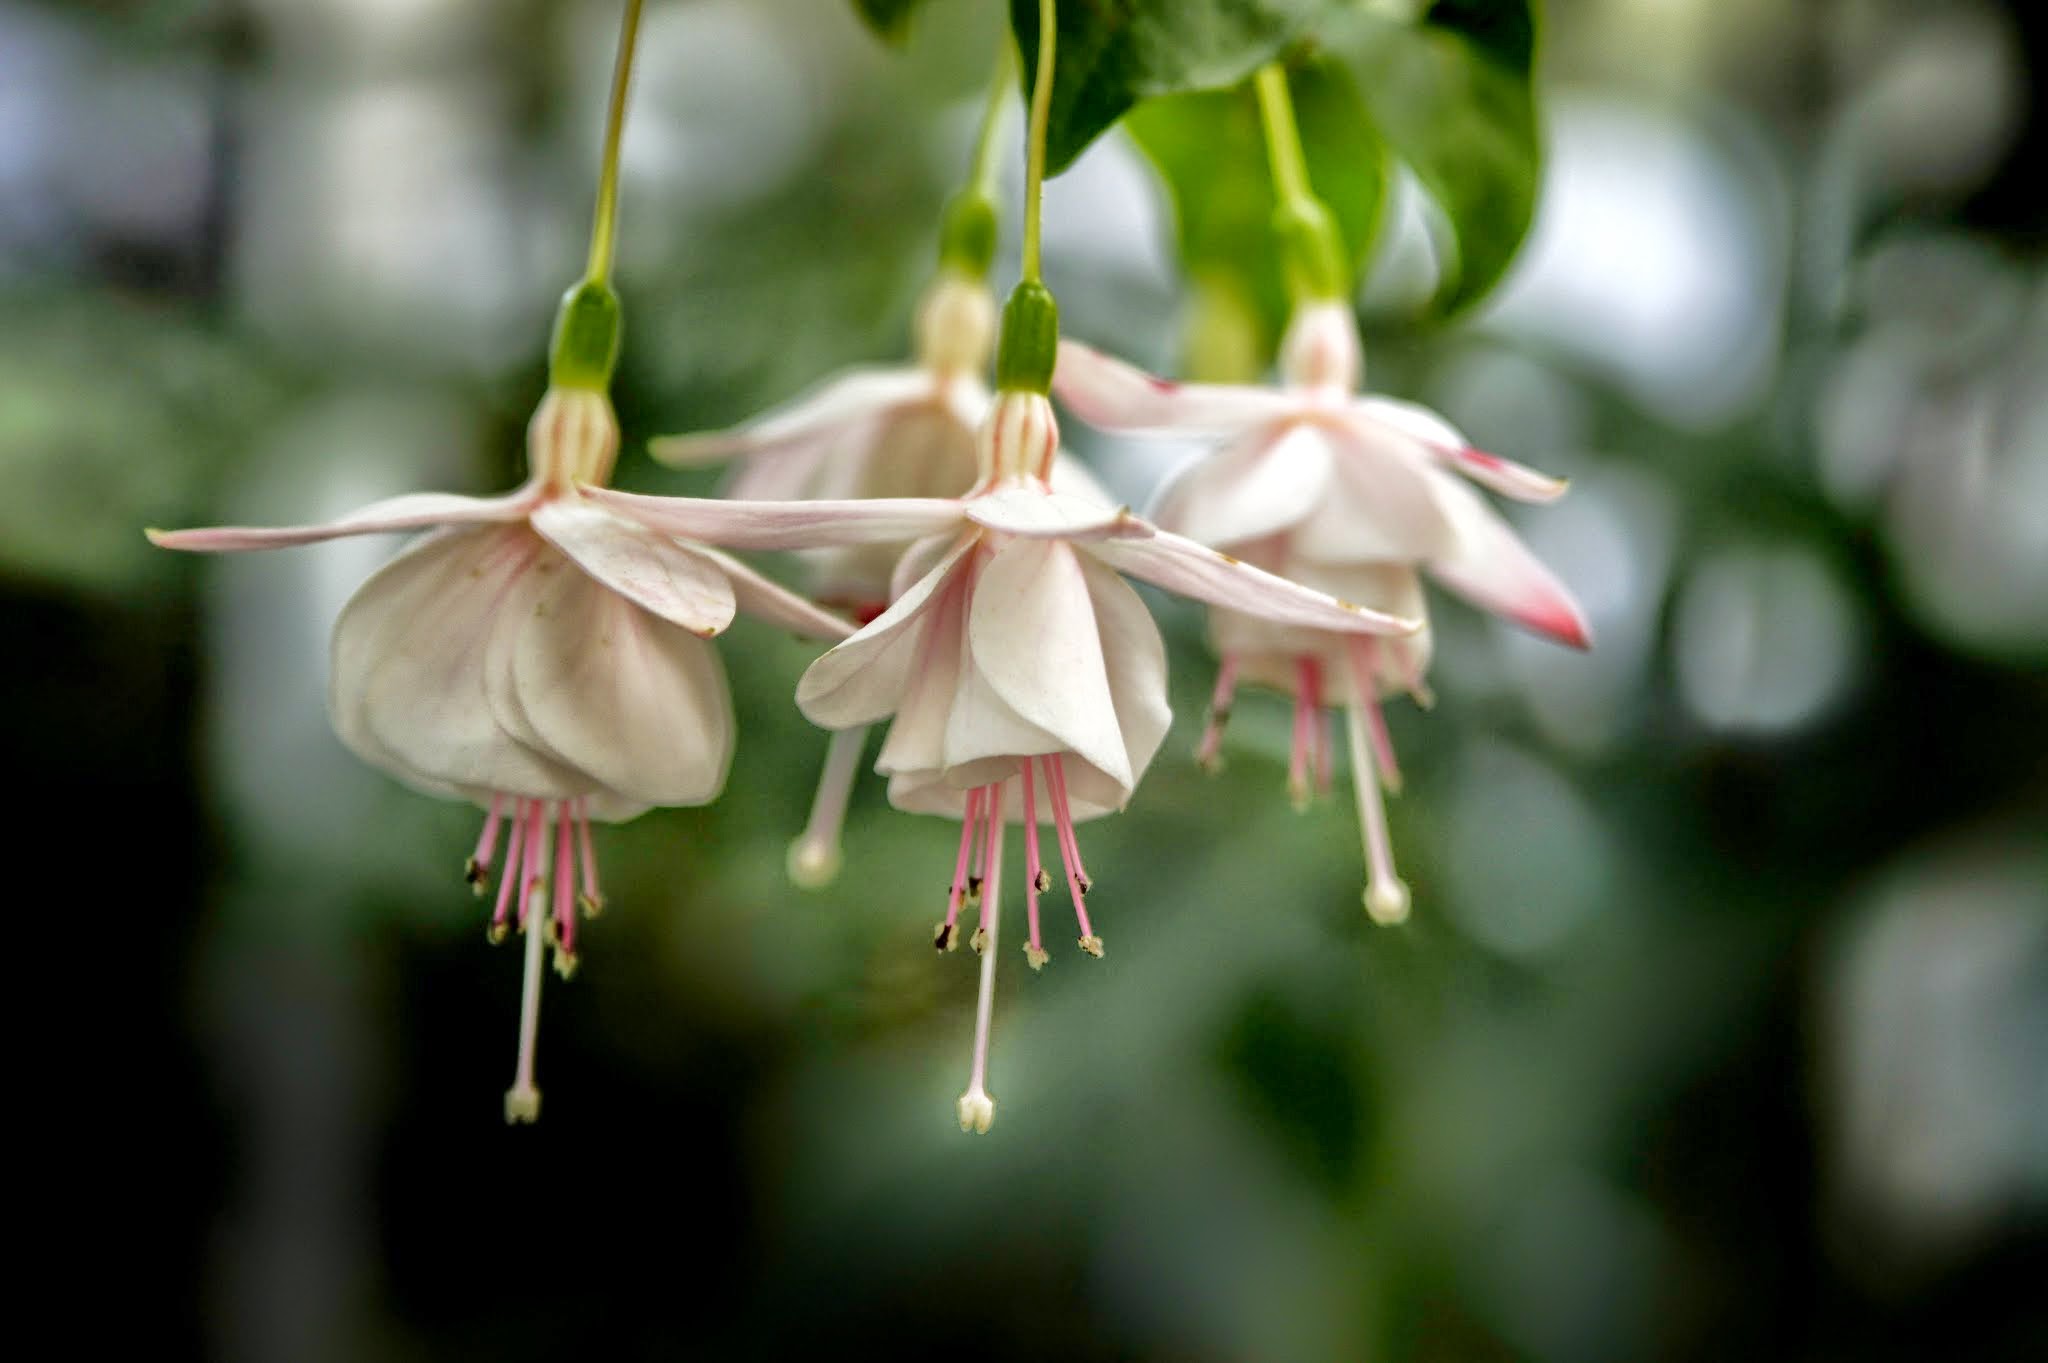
point(1180, 565)
point(802, 426)
point(1271, 481)
point(413, 511)
point(862, 680)
point(1115, 396)
point(1034, 639)
point(1028, 509)
point(1134, 657)
point(1267, 654)
point(650, 570)
point(1381, 505)
point(767, 600)
point(639, 705)
point(923, 556)
point(1071, 476)
point(784, 525)
point(1489, 566)
point(1444, 442)
point(407, 686)
point(917, 736)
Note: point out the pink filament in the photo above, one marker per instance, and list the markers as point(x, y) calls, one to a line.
point(512, 868)
point(1070, 849)
point(1319, 721)
point(529, 870)
point(1031, 862)
point(1365, 674)
point(487, 842)
point(590, 890)
point(992, 796)
point(1219, 712)
point(959, 888)
point(564, 874)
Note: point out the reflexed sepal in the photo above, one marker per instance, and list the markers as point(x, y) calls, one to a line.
point(585, 349)
point(1030, 340)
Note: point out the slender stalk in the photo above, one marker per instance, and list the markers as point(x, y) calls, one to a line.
point(1283, 138)
point(987, 142)
point(1041, 113)
point(605, 226)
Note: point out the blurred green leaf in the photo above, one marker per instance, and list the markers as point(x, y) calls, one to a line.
point(1211, 152)
point(888, 18)
point(1452, 94)
point(1113, 54)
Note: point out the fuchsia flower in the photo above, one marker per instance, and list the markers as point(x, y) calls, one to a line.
point(1349, 494)
point(544, 658)
point(1026, 680)
point(895, 432)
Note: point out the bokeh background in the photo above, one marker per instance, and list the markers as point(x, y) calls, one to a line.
point(1721, 1029)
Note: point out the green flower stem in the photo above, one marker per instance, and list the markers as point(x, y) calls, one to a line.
point(1030, 340)
point(967, 237)
point(1041, 113)
point(1311, 247)
point(604, 229)
point(585, 349)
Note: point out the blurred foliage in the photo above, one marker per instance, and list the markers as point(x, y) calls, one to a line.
point(1720, 1026)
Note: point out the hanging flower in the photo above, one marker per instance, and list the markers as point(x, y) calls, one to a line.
point(543, 657)
point(1026, 680)
point(894, 432)
point(1354, 495)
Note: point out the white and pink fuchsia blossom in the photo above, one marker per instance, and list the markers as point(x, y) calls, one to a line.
point(877, 432)
point(1026, 681)
point(544, 658)
point(1352, 494)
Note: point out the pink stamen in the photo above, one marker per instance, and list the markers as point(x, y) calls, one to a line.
point(529, 870)
point(1211, 746)
point(1297, 756)
point(478, 872)
point(992, 798)
point(593, 898)
point(1078, 883)
point(1034, 872)
point(1319, 720)
point(1365, 675)
point(944, 939)
point(505, 881)
point(565, 886)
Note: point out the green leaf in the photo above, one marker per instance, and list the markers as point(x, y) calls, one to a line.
point(888, 18)
point(1452, 94)
point(1211, 152)
point(1113, 54)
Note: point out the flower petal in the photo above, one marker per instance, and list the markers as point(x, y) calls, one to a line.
point(1134, 657)
point(1446, 443)
point(758, 596)
point(1033, 638)
point(639, 705)
point(1203, 574)
point(1380, 506)
point(1114, 396)
point(917, 735)
point(413, 511)
point(784, 525)
point(804, 426)
point(406, 688)
point(1031, 511)
point(652, 571)
point(1489, 566)
point(1270, 481)
point(862, 679)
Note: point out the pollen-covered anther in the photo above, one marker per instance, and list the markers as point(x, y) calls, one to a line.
point(1092, 945)
point(590, 905)
point(944, 938)
point(478, 875)
point(1042, 881)
point(496, 932)
point(1037, 956)
point(978, 940)
point(566, 963)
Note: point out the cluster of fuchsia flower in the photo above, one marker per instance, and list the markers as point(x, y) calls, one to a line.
point(545, 653)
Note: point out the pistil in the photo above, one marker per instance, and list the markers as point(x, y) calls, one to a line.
point(977, 1109)
point(814, 857)
point(1386, 896)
